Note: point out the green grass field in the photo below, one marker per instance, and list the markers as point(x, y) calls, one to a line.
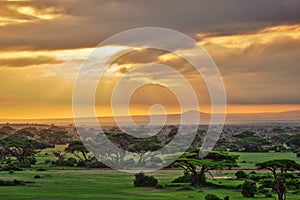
point(104, 184)
point(252, 158)
point(80, 183)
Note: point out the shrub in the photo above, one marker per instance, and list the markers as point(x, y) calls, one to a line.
point(12, 166)
point(30, 161)
point(41, 170)
point(241, 175)
point(70, 162)
point(249, 189)
point(48, 162)
point(212, 197)
point(226, 198)
point(141, 180)
point(186, 178)
point(11, 183)
point(160, 186)
point(37, 176)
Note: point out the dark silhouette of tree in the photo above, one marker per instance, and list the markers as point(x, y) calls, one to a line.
point(20, 147)
point(145, 148)
point(78, 149)
point(191, 163)
point(279, 169)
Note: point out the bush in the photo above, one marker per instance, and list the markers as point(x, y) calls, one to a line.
point(141, 180)
point(212, 197)
point(41, 170)
point(249, 189)
point(160, 186)
point(12, 166)
point(37, 176)
point(11, 183)
point(241, 175)
point(186, 178)
point(30, 161)
point(70, 162)
point(48, 162)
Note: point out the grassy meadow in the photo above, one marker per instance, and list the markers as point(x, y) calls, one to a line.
point(82, 183)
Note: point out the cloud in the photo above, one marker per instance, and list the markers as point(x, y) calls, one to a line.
point(86, 23)
point(28, 61)
point(261, 73)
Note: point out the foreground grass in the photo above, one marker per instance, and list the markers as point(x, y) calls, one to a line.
point(79, 183)
point(107, 184)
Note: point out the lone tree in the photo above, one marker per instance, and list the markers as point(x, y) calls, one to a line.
point(197, 167)
point(279, 169)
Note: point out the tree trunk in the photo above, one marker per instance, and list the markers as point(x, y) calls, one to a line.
point(198, 179)
point(280, 196)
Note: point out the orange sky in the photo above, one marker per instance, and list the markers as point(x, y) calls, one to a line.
point(39, 61)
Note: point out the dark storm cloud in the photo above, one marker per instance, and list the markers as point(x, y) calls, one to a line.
point(86, 23)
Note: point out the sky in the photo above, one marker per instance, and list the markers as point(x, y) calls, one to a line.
point(43, 43)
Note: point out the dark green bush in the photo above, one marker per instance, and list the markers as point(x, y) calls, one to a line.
point(48, 162)
point(212, 197)
point(160, 186)
point(186, 178)
point(11, 183)
point(12, 166)
point(141, 180)
point(37, 176)
point(249, 189)
point(226, 198)
point(41, 169)
point(241, 175)
point(70, 162)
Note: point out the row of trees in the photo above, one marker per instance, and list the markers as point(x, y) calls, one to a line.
point(249, 141)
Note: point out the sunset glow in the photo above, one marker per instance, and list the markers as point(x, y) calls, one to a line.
point(260, 67)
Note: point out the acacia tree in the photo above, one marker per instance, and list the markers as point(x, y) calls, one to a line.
point(197, 167)
point(279, 169)
point(145, 148)
point(78, 149)
point(20, 147)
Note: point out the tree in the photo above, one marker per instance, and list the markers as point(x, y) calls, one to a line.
point(20, 147)
point(145, 148)
point(294, 141)
point(78, 149)
point(279, 169)
point(252, 144)
point(60, 157)
point(249, 189)
point(191, 163)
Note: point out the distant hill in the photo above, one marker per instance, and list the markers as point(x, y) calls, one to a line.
point(175, 118)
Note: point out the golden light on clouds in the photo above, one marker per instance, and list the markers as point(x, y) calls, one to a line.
point(263, 36)
point(38, 83)
point(14, 12)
